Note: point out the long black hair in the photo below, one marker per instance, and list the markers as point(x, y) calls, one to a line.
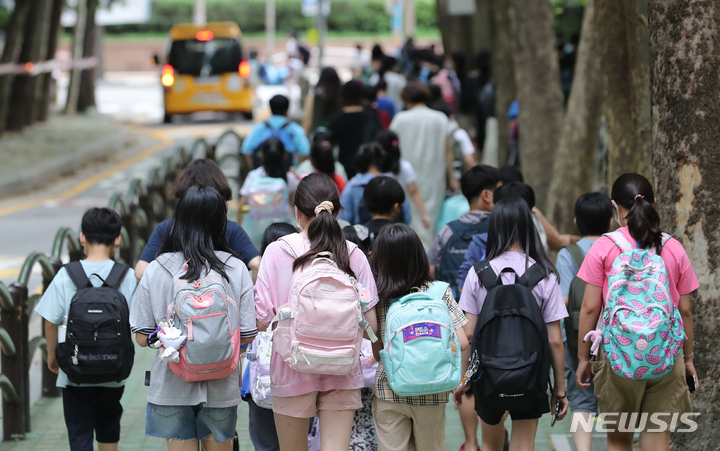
point(198, 231)
point(324, 231)
point(396, 277)
point(635, 193)
point(511, 223)
point(323, 159)
point(274, 158)
point(390, 144)
point(328, 86)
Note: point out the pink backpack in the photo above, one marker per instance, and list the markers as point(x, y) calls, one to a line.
point(210, 318)
point(320, 328)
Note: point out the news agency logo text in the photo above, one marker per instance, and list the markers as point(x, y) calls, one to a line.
point(630, 422)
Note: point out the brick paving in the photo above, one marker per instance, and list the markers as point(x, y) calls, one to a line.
point(49, 433)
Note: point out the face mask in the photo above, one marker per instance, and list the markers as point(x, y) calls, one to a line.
point(616, 215)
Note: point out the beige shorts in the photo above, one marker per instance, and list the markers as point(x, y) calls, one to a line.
point(402, 427)
point(307, 405)
point(668, 394)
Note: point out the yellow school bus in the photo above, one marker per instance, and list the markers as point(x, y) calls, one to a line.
point(205, 70)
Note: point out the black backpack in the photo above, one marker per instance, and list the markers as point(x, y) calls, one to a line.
point(453, 253)
point(98, 347)
point(575, 298)
point(510, 343)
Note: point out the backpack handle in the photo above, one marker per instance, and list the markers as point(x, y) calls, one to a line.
point(323, 256)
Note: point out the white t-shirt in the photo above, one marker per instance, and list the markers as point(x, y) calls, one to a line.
point(466, 145)
point(290, 178)
point(406, 175)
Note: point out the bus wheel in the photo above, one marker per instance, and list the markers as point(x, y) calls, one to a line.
point(167, 118)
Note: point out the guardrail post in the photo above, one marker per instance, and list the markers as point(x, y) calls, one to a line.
point(16, 415)
point(49, 379)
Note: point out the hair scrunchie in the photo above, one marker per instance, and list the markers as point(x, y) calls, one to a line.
point(324, 206)
point(639, 196)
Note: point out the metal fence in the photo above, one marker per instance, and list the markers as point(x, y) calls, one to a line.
point(147, 203)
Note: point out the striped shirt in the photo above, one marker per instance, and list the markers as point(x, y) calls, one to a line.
point(382, 389)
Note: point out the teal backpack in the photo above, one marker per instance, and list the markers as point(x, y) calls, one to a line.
point(422, 353)
point(642, 330)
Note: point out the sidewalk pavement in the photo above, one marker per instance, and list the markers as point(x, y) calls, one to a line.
point(49, 433)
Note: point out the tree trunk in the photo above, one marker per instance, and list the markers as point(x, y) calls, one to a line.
point(87, 81)
point(685, 62)
point(73, 92)
point(22, 99)
point(578, 147)
point(10, 55)
point(503, 72)
point(38, 82)
point(467, 34)
point(43, 105)
point(638, 40)
point(537, 78)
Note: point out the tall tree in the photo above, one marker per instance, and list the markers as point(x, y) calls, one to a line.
point(43, 99)
point(466, 34)
point(10, 54)
point(73, 92)
point(87, 81)
point(537, 79)
point(578, 147)
point(503, 72)
point(685, 62)
point(22, 99)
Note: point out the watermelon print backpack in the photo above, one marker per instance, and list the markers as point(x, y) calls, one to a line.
point(642, 330)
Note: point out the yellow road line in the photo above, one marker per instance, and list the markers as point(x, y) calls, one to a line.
point(89, 182)
point(7, 273)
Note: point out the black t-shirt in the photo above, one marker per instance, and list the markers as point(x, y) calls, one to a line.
point(350, 131)
point(374, 226)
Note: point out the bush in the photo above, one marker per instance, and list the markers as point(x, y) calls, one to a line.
point(347, 15)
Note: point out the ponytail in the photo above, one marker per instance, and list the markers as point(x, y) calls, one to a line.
point(635, 193)
point(317, 197)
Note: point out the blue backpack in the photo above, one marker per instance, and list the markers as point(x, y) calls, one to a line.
point(453, 253)
point(422, 353)
point(280, 133)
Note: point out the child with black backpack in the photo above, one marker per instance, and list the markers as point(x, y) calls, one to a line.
point(420, 326)
point(91, 292)
point(593, 217)
point(514, 306)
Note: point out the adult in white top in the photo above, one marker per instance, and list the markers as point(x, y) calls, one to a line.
point(423, 139)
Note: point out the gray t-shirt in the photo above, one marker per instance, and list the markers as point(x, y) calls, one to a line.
point(149, 307)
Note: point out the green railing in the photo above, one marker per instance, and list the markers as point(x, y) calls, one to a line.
point(146, 203)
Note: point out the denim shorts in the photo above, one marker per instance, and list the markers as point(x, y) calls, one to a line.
point(191, 422)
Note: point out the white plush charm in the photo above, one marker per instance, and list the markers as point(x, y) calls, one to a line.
point(172, 339)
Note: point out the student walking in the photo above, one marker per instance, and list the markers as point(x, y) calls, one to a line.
point(423, 139)
point(516, 272)
point(384, 199)
point(299, 389)
point(206, 173)
point(593, 217)
point(195, 301)
point(90, 408)
point(401, 268)
point(641, 369)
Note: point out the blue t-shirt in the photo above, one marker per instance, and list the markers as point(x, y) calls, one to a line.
point(299, 139)
point(236, 237)
point(567, 269)
point(55, 303)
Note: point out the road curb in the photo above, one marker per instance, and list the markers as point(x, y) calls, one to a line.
point(67, 164)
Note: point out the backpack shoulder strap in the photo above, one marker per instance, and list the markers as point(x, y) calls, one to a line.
point(268, 126)
point(78, 276)
point(116, 276)
point(533, 276)
point(577, 254)
point(283, 126)
point(486, 275)
point(295, 242)
point(437, 289)
point(620, 241)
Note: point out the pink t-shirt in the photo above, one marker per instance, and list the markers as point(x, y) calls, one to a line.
point(599, 260)
point(547, 291)
point(272, 290)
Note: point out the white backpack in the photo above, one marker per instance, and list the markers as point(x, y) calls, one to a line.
point(320, 329)
point(259, 354)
